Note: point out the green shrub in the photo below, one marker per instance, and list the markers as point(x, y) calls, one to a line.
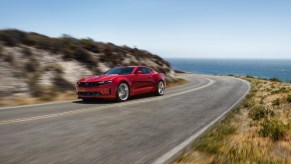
point(249, 76)
point(75, 52)
point(26, 52)
point(259, 111)
point(273, 92)
point(83, 56)
point(61, 84)
point(35, 88)
point(283, 90)
point(248, 102)
point(54, 67)
point(32, 65)
point(11, 37)
point(276, 102)
point(9, 58)
point(89, 45)
point(273, 128)
point(289, 98)
point(49, 94)
point(275, 79)
point(1, 48)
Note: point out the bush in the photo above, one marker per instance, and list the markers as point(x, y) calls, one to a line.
point(289, 98)
point(26, 52)
point(83, 56)
point(248, 103)
point(75, 52)
point(49, 94)
point(276, 102)
point(55, 67)
point(259, 111)
point(32, 65)
point(62, 84)
point(34, 87)
point(9, 58)
point(10, 37)
point(275, 79)
point(273, 128)
point(1, 48)
point(89, 45)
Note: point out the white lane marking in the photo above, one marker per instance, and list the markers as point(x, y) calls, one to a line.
point(166, 158)
point(33, 105)
point(105, 106)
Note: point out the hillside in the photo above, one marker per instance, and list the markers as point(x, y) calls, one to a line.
point(36, 65)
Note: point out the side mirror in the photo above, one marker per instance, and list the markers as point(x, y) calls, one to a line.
point(139, 72)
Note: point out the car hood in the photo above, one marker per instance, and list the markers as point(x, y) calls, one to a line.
point(98, 78)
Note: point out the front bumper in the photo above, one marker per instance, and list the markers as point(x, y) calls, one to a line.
point(107, 91)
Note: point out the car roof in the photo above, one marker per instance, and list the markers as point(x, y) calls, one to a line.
point(132, 66)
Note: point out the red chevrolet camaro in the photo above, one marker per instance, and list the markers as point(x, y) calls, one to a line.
point(120, 83)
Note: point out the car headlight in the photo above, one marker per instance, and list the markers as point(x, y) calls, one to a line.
point(105, 82)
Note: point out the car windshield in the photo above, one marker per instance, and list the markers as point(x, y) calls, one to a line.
point(120, 71)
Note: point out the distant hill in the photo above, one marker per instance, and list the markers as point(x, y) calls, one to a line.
point(32, 63)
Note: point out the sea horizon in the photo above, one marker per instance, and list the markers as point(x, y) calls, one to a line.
point(262, 68)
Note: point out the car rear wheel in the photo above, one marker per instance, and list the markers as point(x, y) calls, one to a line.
point(160, 88)
point(122, 92)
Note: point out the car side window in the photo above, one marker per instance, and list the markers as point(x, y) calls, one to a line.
point(148, 70)
point(144, 70)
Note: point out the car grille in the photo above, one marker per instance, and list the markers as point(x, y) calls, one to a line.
point(89, 84)
point(89, 94)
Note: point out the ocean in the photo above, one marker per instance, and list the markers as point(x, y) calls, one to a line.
point(263, 68)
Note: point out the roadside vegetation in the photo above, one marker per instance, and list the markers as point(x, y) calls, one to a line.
point(176, 82)
point(258, 131)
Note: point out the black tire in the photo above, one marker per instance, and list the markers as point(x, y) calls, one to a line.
point(160, 88)
point(122, 87)
point(86, 100)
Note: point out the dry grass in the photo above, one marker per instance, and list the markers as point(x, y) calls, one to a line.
point(177, 82)
point(259, 131)
point(26, 100)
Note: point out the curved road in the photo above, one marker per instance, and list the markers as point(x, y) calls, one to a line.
point(143, 130)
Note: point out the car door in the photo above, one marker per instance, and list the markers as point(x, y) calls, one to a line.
point(149, 82)
point(142, 82)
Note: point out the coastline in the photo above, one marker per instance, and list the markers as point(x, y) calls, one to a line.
point(259, 68)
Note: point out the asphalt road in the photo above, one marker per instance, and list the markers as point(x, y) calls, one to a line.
point(138, 131)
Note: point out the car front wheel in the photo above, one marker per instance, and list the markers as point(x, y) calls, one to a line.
point(160, 88)
point(122, 92)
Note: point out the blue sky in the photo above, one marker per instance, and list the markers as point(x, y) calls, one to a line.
point(169, 28)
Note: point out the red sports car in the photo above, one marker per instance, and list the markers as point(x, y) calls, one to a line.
point(120, 83)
